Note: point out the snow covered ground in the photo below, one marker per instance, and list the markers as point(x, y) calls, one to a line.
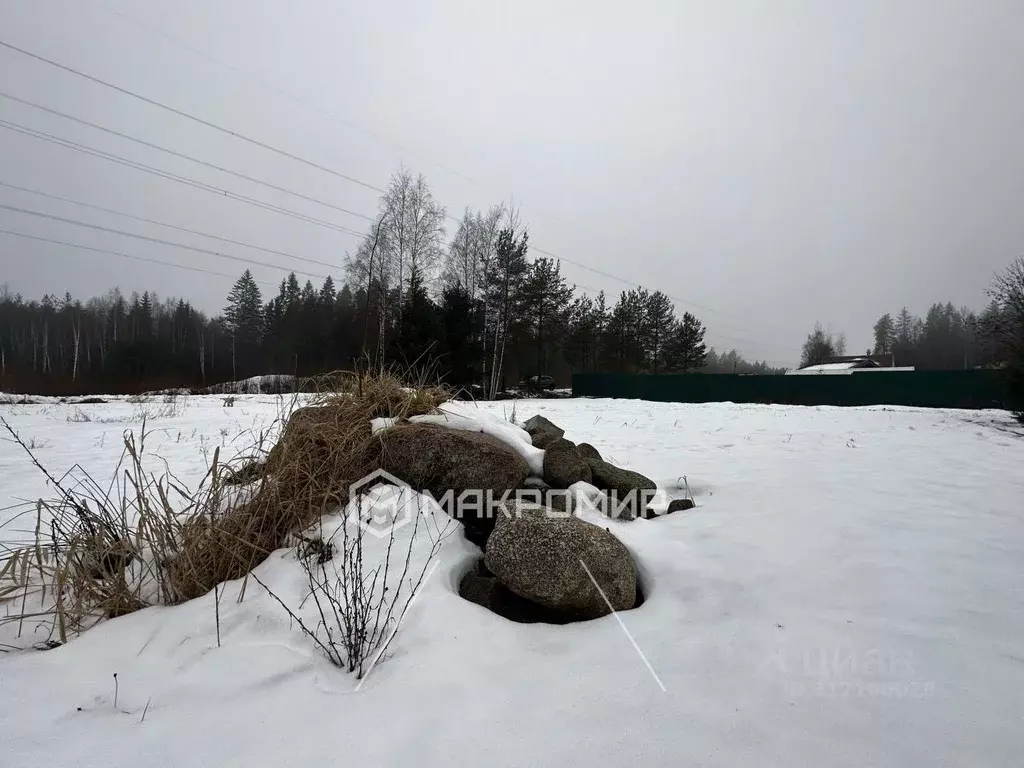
point(847, 592)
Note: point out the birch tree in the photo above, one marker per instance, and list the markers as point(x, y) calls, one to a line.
point(413, 224)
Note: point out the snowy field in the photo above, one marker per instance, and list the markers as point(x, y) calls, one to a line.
point(848, 592)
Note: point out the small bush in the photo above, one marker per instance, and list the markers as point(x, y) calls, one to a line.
point(78, 416)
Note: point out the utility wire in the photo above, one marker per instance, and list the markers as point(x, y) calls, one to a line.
point(289, 155)
point(122, 255)
point(302, 217)
point(182, 113)
point(151, 221)
point(292, 96)
point(331, 113)
point(67, 143)
point(305, 161)
point(182, 155)
point(159, 241)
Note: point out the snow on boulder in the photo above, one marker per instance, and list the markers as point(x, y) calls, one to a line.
point(546, 558)
point(588, 497)
point(468, 417)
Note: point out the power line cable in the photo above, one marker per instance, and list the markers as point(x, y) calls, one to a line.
point(169, 243)
point(261, 144)
point(189, 116)
point(266, 84)
point(201, 185)
point(182, 155)
point(150, 221)
point(123, 255)
point(294, 157)
point(313, 105)
point(119, 160)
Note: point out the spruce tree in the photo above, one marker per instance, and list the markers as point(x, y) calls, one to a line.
point(461, 321)
point(686, 350)
point(660, 325)
point(546, 302)
point(419, 329)
point(243, 318)
point(885, 334)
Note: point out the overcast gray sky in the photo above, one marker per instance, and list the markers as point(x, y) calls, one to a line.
point(767, 164)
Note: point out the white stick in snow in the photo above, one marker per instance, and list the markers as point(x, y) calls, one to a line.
point(626, 631)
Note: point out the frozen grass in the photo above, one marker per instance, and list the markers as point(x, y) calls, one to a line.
point(101, 551)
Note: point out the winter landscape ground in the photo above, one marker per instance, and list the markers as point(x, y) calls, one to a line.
point(846, 592)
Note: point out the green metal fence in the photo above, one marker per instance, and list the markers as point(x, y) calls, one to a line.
point(932, 389)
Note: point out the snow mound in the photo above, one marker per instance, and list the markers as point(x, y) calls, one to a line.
point(268, 384)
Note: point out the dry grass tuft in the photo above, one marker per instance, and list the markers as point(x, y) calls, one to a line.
point(100, 552)
point(324, 448)
point(94, 552)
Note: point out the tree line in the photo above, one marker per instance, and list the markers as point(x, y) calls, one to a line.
point(946, 338)
point(474, 310)
point(950, 338)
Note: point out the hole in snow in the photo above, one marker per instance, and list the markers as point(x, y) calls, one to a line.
point(478, 585)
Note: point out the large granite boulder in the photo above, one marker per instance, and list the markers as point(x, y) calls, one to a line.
point(441, 460)
point(554, 561)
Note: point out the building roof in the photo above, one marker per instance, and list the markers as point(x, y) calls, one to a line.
point(828, 368)
point(852, 366)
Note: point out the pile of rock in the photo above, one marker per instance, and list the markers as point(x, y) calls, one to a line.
point(625, 494)
point(518, 498)
point(541, 562)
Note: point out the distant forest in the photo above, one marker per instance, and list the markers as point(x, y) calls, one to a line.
point(474, 311)
point(946, 338)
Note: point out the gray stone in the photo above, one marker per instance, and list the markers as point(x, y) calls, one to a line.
point(544, 439)
point(676, 505)
point(542, 431)
point(540, 424)
point(587, 451)
point(437, 459)
point(679, 505)
point(560, 500)
point(519, 508)
point(563, 465)
point(541, 559)
point(536, 492)
point(628, 491)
